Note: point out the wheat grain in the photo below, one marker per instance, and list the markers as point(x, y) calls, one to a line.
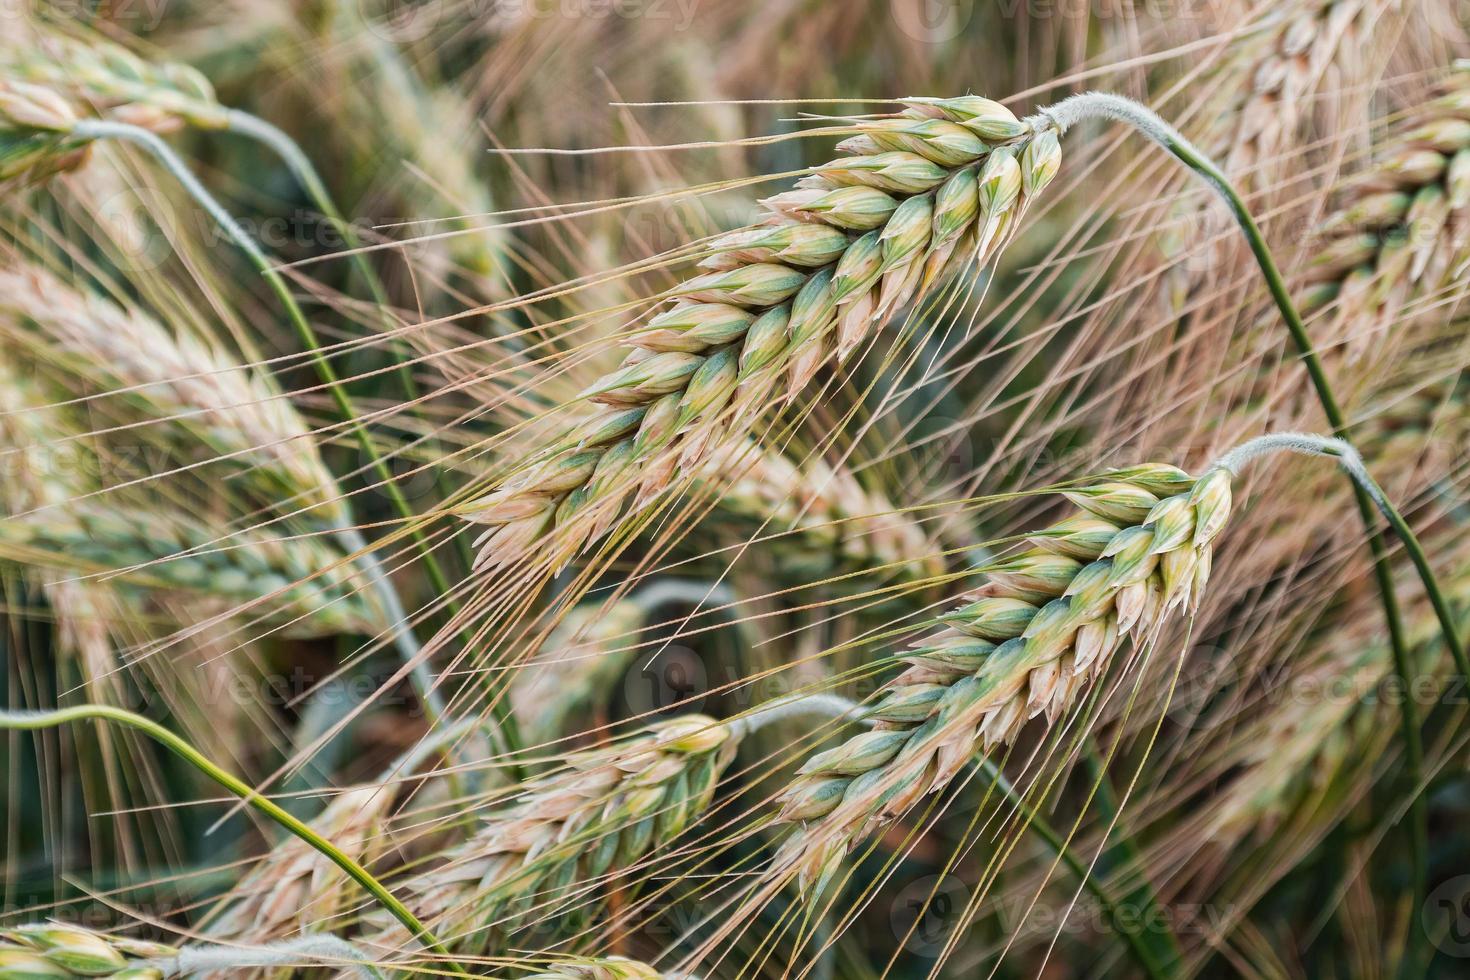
point(43, 951)
point(606, 811)
point(176, 374)
point(300, 584)
point(1047, 622)
point(925, 193)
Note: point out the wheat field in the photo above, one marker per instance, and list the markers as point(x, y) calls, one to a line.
point(816, 489)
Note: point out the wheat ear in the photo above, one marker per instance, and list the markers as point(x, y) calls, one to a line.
point(1401, 228)
point(1047, 621)
point(827, 520)
point(236, 411)
point(36, 139)
point(306, 587)
point(919, 195)
point(605, 812)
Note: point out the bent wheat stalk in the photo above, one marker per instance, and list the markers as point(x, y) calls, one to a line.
point(920, 195)
point(38, 720)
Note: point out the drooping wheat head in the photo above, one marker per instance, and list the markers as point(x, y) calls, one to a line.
point(35, 133)
point(160, 96)
point(300, 584)
point(1047, 621)
point(919, 195)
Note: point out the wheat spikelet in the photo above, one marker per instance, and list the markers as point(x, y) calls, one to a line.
point(175, 374)
point(1401, 229)
point(924, 193)
point(43, 951)
point(1047, 621)
point(299, 583)
point(608, 810)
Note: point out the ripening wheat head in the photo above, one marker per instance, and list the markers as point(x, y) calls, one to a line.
point(544, 855)
point(35, 133)
point(918, 196)
point(1045, 624)
point(301, 584)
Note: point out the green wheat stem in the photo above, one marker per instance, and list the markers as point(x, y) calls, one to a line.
point(37, 720)
point(106, 129)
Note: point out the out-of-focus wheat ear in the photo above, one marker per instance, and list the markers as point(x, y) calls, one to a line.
point(599, 968)
point(237, 411)
point(1401, 229)
point(931, 190)
point(300, 584)
point(35, 133)
point(158, 96)
point(1046, 623)
point(827, 522)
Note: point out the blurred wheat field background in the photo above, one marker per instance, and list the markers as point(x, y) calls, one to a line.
point(620, 489)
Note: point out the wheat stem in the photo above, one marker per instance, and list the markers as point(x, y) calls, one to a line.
point(106, 129)
point(36, 720)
